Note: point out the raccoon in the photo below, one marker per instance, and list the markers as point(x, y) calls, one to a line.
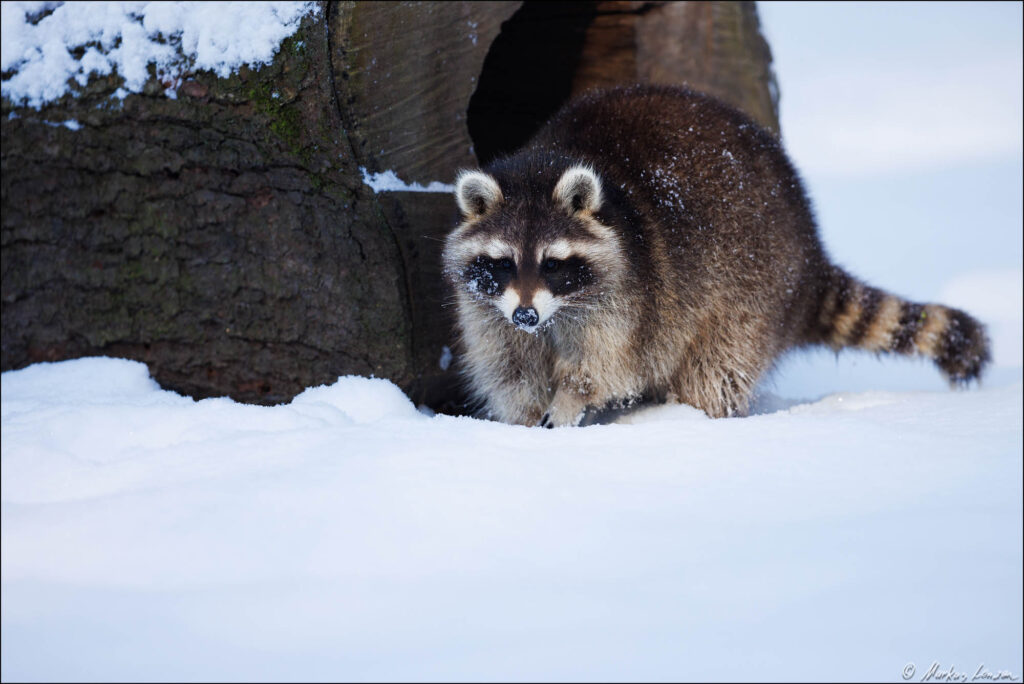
point(652, 243)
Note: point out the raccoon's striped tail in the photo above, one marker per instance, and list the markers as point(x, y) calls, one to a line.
point(852, 314)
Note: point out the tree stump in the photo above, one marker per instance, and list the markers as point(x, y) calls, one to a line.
point(227, 237)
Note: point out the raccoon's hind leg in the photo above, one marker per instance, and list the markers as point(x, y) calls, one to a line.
point(722, 363)
point(852, 314)
point(719, 392)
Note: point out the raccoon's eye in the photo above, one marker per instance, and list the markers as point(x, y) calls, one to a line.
point(569, 275)
point(504, 264)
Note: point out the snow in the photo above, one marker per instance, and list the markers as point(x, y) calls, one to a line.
point(864, 523)
point(388, 181)
point(39, 40)
point(446, 358)
point(70, 124)
point(347, 536)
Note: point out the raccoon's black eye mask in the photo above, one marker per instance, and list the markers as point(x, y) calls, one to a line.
point(489, 276)
point(563, 276)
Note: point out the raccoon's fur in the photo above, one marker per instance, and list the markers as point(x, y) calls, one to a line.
point(654, 243)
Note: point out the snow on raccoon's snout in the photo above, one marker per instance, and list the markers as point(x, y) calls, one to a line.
point(517, 307)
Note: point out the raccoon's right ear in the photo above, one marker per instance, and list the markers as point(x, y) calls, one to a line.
point(477, 193)
point(579, 189)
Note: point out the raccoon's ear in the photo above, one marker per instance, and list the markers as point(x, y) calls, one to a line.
point(477, 193)
point(579, 189)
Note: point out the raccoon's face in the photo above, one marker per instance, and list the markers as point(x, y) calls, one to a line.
point(529, 256)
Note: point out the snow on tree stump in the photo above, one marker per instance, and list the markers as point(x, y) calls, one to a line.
point(232, 238)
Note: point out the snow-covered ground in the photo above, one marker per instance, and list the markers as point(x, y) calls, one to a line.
point(865, 523)
point(349, 536)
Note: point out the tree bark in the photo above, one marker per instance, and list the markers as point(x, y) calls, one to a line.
point(715, 47)
point(227, 238)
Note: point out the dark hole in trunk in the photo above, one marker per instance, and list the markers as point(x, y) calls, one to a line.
point(527, 74)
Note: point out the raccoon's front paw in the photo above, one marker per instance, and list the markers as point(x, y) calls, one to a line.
point(562, 416)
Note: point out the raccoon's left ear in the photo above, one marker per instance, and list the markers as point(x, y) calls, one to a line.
point(476, 193)
point(579, 189)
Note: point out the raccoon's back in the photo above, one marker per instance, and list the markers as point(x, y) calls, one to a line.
point(718, 198)
point(681, 153)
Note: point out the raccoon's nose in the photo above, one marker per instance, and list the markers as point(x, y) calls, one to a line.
point(525, 317)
